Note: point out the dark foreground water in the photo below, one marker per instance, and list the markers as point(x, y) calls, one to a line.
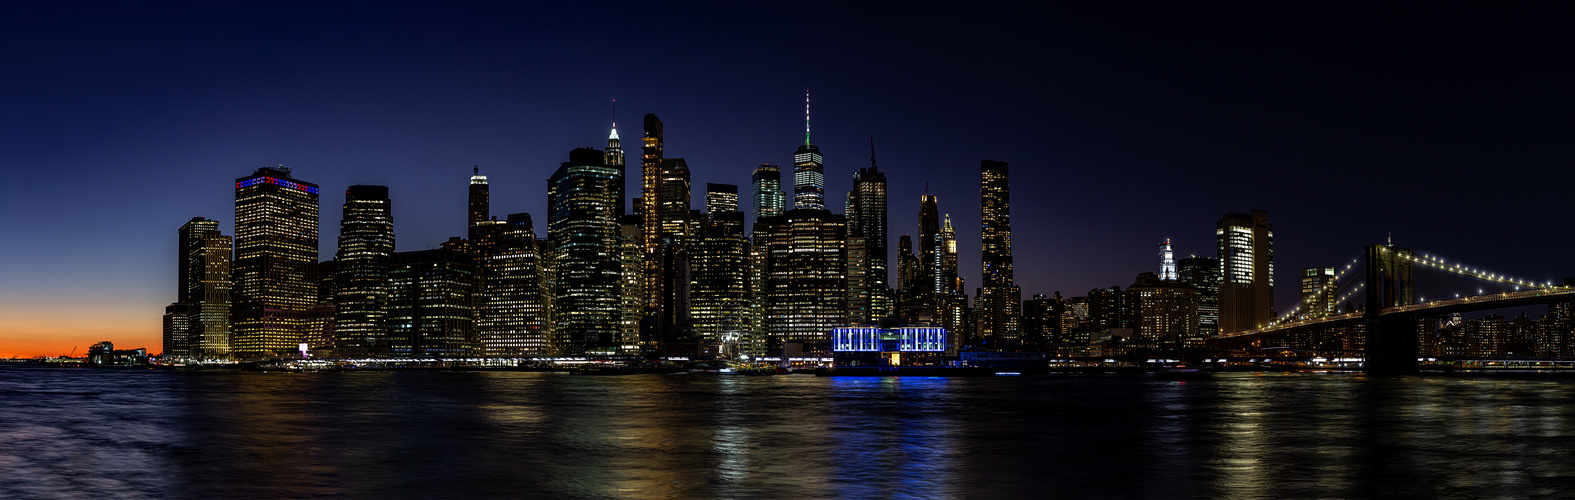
point(99, 433)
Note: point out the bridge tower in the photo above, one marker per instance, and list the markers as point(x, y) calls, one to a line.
point(1391, 339)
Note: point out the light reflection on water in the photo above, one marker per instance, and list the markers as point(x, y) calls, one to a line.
point(143, 434)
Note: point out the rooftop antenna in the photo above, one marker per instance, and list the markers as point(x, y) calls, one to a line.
point(615, 113)
point(872, 153)
point(476, 170)
point(806, 117)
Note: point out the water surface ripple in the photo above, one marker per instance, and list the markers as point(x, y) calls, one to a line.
point(77, 433)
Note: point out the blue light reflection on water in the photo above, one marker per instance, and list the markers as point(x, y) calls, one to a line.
point(143, 434)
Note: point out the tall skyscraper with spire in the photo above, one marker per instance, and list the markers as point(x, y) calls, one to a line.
point(275, 256)
point(809, 171)
point(613, 155)
point(868, 295)
point(366, 243)
point(948, 277)
point(998, 298)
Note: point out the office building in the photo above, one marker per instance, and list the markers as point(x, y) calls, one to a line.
point(651, 175)
point(1167, 310)
point(721, 198)
point(1203, 275)
point(203, 291)
point(719, 270)
point(868, 289)
point(1318, 289)
point(480, 202)
point(366, 241)
point(999, 299)
point(805, 289)
point(930, 255)
point(275, 251)
point(430, 313)
point(769, 199)
point(583, 228)
point(512, 317)
point(1246, 252)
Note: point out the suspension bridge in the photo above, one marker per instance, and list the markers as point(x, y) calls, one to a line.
point(1390, 312)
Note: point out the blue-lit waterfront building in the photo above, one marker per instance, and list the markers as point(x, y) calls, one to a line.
point(880, 347)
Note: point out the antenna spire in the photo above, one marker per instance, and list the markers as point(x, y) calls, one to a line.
point(806, 117)
point(476, 170)
point(872, 153)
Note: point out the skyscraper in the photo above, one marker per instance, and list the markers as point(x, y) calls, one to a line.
point(929, 244)
point(613, 156)
point(866, 212)
point(947, 276)
point(720, 272)
point(721, 198)
point(204, 290)
point(177, 331)
point(805, 274)
point(651, 175)
point(366, 241)
point(430, 313)
point(769, 199)
point(1203, 274)
point(1167, 310)
point(673, 199)
point(809, 171)
point(480, 200)
point(511, 305)
point(1167, 262)
point(583, 230)
point(275, 252)
point(1246, 253)
point(999, 299)
point(1318, 291)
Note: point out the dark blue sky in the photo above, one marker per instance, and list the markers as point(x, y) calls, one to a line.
point(1446, 125)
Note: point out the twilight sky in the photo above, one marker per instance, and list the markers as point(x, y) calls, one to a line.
point(1448, 126)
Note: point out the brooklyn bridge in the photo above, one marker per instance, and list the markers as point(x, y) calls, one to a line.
point(1384, 327)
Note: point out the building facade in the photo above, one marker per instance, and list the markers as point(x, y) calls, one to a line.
point(1246, 251)
point(805, 289)
point(366, 242)
point(1318, 289)
point(512, 315)
point(204, 292)
point(769, 199)
point(275, 253)
point(583, 230)
point(430, 313)
point(998, 298)
point(869, 291)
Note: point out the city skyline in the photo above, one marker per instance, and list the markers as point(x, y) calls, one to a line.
point(146, 168)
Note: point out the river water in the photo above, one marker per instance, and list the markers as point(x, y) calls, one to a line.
point(80, 433)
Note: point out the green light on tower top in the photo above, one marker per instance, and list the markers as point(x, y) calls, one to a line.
point(806, 117)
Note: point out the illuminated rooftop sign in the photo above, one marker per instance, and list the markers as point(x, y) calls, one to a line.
point(278, 182)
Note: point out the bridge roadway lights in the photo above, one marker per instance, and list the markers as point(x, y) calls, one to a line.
point(1391, 345)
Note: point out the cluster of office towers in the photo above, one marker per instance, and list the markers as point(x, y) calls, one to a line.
point(653, 276)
